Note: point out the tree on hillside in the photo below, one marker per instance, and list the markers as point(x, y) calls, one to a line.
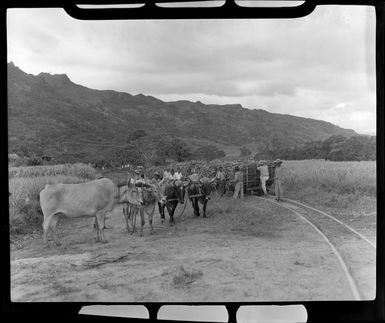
point(208, 152)
point(149, 148)
point(245, 152)
point(175, 149)
point(336, 148)
point(136, 134)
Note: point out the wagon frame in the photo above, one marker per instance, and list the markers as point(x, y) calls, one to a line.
point(251, 178)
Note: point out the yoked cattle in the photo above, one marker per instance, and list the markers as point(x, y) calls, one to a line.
point(151, 194)
point(200, 192)
point(175, 193)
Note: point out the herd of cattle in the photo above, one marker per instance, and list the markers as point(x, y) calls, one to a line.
point(99, 197)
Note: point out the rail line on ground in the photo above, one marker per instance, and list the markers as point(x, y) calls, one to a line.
point(336, 238)
point(333, 218)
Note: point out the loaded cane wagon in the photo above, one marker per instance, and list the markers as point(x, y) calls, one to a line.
point(252, 181)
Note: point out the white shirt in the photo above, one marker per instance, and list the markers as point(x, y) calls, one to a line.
point(264, 170)
point(178, 176)
point(137, 180)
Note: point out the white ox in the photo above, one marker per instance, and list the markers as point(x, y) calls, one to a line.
point(91, 199)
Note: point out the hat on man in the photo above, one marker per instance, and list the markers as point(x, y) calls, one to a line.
point(277, 161)
point(137, 171)
point(156, 173)
point(236, 168)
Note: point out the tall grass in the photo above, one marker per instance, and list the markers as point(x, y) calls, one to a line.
point(77, 170)
point(328, 183)
point(25, 184)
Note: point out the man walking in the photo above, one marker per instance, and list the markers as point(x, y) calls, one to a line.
point(221, 180)
point(238, 181)
point(278, 180)
point(264, 174)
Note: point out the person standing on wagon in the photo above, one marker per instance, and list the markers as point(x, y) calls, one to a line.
point(238, 181)
point(278, 180)
point(264, 175)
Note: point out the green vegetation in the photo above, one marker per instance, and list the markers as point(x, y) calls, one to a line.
point(76, 170)
point(208, 152)
point(343, 187)
point(25, 184)
point(336, 148)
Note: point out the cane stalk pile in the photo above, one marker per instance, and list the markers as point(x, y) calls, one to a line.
point(209, 169)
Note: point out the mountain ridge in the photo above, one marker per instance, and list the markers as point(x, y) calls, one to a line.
point(46, 109)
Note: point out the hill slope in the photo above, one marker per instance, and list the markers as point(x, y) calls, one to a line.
point(49, 113)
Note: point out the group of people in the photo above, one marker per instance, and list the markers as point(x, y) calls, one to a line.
point(264, 176)
point(172, 176)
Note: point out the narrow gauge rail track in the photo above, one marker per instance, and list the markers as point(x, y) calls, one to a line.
point(355, 253)
point(333, 218)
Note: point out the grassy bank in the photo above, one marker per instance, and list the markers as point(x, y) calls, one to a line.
point(339, 187)
point(25, 184)
point(76, 170)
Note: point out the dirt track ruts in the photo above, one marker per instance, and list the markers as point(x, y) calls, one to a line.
point(356, 250)
point(244, 251)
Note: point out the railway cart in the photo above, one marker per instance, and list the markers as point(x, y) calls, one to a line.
point(251, 178)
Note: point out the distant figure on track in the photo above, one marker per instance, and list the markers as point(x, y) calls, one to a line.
point(238, 181)
point(264, 174)
point(278, 180)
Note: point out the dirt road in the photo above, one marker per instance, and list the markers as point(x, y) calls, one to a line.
point(243, 251)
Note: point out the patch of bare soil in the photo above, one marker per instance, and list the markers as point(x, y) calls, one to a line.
point(243, 251)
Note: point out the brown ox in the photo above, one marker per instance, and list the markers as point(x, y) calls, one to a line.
point(91, 199)
point(152, 195)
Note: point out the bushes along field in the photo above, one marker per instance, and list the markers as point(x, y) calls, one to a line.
point(25, 184)
point(76, 170)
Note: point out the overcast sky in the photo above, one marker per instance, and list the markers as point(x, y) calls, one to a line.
point(321, 66)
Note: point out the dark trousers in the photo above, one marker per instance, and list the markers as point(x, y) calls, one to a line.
point(222, 186)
